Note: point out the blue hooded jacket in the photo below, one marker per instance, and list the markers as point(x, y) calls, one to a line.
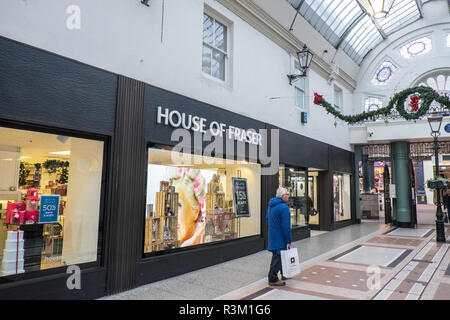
point(279, 218)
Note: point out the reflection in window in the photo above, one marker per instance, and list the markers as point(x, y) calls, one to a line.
point(214, 47)
point(341, 197)
point(384, 73)
point(416, 47)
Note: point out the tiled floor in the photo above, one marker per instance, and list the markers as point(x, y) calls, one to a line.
point(365, 261)
point(400, 264)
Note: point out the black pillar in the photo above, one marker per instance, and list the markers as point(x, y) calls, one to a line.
point(127, 210)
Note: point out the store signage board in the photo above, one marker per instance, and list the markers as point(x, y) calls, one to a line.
point(176, 119)
point(240, 195)
point(49, 208)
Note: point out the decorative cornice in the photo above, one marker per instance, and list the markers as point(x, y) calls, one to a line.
point(272, 29)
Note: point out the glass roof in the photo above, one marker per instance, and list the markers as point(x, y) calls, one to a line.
point(346, 25)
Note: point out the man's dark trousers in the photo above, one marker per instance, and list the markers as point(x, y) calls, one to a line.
point(275, 266)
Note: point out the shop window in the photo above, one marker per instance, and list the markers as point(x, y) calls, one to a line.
point(294, 180)
point(341, 197)
point(313, 197)
point(50, 191)
point(200, 200)
point(215, 47)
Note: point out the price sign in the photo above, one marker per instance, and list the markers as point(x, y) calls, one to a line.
point(49, 208)
point(240, 195)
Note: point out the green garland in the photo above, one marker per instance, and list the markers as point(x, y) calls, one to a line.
point(426, 95)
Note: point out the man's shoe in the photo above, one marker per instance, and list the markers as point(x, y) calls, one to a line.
point(278, 283)
point(284, 278)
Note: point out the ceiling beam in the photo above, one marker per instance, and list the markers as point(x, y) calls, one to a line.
point(296, 14)
point(375, 22)
point(419, 4)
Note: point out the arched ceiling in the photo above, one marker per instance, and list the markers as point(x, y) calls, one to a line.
point(346, 25)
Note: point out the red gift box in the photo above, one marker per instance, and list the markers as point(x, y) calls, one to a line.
point(32, 217)
point(32, 194)
point(14, 213)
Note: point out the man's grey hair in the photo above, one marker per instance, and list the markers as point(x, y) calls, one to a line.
point(281, 192)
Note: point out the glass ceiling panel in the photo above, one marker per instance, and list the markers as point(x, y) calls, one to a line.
point(361, 39)
point(330, 17)
point(402, 13)
point(334, 18)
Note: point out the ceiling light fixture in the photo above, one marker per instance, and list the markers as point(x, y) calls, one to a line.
point(63, 153)
point(377, 8)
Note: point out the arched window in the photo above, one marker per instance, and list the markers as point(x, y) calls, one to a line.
point(372, 104)
point(416, 48)
point(439, 81)
point(384, 73)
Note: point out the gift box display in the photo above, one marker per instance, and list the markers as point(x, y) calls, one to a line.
point(13, 254)
point(32, 217)
point(32, 194)
point(15, 213)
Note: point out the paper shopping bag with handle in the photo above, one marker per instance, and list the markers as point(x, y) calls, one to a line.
point(290, 265)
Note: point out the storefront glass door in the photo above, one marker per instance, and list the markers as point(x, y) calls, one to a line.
point(295, 180)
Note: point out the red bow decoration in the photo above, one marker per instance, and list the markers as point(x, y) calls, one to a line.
point(317, 98)
point(414, 103)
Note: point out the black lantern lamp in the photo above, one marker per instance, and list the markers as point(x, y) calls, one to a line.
point(304, 58)
point(435, 122)
point(145, 2)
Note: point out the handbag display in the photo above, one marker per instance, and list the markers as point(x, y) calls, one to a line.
point(290, 264)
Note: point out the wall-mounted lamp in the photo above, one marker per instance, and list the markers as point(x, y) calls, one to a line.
point(304, 58)
point(145, 2)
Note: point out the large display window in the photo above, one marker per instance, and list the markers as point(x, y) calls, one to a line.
point(193, 200)
point(313, 197)
point(341, 197)
point(50, 190)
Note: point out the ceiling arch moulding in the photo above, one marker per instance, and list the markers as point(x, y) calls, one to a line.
point(268, 26)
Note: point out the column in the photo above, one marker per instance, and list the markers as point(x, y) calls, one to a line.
point(358, 157)
point(402, 180)
point(366, 174)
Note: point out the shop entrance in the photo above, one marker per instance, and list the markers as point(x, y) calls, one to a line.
point(294, 179)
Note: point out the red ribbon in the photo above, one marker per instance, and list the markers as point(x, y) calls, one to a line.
point(317, 98)
point(414, 103)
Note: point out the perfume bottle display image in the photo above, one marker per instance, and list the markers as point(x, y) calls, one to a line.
point(191, 188)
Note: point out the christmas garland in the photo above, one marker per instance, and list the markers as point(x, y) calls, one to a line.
point(422, 96)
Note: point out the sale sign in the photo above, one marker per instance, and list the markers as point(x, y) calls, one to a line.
point(49, 208)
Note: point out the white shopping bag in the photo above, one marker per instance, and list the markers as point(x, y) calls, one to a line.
point(290, 265)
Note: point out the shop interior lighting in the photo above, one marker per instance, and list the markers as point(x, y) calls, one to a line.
point(63, 153)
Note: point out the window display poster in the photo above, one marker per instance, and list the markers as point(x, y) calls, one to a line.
point(49, 208)
point(240, 195)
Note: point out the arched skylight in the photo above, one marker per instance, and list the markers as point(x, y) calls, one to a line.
point(345, 25)
point(416, 48)
point(384, 73)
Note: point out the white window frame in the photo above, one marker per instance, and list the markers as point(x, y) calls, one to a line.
point(228, 54)
point(341, 97)
point(304, 108)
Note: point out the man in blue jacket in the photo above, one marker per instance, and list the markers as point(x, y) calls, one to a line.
point(279, 219)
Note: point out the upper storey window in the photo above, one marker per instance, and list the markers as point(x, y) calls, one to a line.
point(215, 48)
point(448, 40)
point(416, 47)
point(384, 73)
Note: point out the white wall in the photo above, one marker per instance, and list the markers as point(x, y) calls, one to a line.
point(128, 38)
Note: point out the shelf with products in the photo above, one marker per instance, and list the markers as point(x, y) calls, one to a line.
point(161, 224)
point(220, 219)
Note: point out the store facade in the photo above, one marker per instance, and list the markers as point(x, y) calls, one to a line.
point(169, 182)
